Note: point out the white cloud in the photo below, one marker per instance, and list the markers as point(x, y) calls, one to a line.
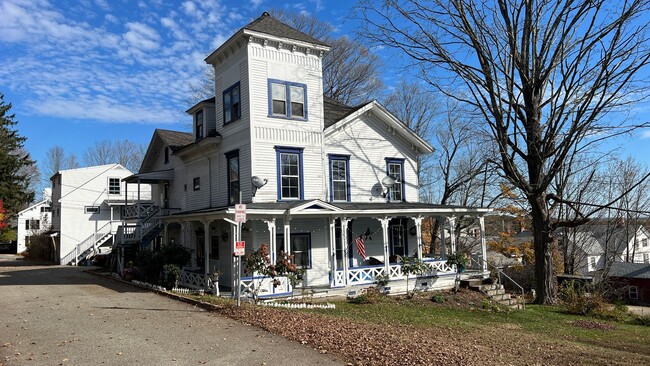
point(141, 36)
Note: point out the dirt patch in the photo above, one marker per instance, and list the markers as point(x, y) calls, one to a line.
point(590, 324)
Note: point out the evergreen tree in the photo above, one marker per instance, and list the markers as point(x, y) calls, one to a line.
point(14, 182)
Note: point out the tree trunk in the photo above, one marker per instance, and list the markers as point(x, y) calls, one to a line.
point(543, 243)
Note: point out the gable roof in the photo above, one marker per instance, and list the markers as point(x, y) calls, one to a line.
point(339, 114)
point(269, 25)
point(174, 139)
point(630, 270)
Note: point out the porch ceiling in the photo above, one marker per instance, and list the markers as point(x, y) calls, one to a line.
point(151, 177)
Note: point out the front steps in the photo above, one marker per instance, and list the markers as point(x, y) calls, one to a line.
point(495, 292)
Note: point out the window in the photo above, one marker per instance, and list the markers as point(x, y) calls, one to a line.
point(166, 154)
point(287, 99)
point(289, 167)
point(232, 159)
point(646, 258)
point(46, 209)
point(592, 263)
point(339, 178)
point(91, 209)
point(214, 247)
point(231, 104)
point(398, 237)
point(634, 293)
point(32, 224)
point(113, 185)
point(644, 242)
point(196, 183)
point(395, 169)
point(198, 123)
point(300, 248)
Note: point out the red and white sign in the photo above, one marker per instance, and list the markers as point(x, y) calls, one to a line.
point(240, 248)
point(240, 212)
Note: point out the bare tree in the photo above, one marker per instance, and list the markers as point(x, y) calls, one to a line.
point(544, 75)
point(125, 152)
point(56, 159)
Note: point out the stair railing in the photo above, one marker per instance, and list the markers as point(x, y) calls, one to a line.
point(499, 273)
point(86, 244)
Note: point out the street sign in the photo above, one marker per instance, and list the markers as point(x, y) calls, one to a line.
point(240, 212)
point(240, 248)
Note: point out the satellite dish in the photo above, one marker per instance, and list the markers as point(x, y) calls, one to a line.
point(388, 182)
point(258, 182)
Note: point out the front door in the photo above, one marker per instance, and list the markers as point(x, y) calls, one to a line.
point(397, 237)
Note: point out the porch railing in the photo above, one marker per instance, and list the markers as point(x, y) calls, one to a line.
point(367, 274)
point(198, 281)
point(264, 286)
point(138, 210)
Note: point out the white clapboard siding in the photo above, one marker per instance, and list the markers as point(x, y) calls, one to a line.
point(369, 144)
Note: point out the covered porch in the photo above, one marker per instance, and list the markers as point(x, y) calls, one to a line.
point(325, 240)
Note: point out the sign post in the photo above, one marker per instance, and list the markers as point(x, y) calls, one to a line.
point(240, 245)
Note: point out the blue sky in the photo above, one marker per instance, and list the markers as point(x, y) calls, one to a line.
point(83, 71)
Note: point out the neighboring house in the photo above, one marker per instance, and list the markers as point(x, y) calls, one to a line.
point(594, 247)
point(87, 206)
point(34, 220)
point(635, 277)
point(314, 174)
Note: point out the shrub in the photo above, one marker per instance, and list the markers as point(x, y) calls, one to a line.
point(371, 296)
point(382, 280)
point(171, 275)
point(40, 248)
point(643, 320)
point(438, 298)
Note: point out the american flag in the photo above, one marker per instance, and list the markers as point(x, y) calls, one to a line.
point(361, 247)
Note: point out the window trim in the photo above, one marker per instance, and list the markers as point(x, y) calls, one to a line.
point(198, 132)
point(287, 107)
point(346, 159)
point(279, 239)
point(279, 150)
point(119, 186)
point(223, 104)
point(397, 161)
point(92, 209)
point(635, 292)
point(196, 183)
point(231, 155)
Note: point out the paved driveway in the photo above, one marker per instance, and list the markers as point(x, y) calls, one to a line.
point(53, 315)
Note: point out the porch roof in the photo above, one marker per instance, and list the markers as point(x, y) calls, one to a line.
point(150, 177)
point(335, 209)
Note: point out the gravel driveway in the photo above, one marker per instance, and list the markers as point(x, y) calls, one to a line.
point(55, 315)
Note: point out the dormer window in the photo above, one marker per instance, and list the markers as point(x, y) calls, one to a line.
point(287, 99)
point(231, 104)
point(198, 124)
point(166, 154)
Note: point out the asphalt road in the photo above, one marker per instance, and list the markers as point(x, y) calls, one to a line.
point(54, 315)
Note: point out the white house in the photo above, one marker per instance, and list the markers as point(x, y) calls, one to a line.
point(35, 219)
point(314, 174)
point(87, 206)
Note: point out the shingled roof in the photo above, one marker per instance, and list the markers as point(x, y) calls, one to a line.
point(334, 111)
point(267, 24)
point(175, 139)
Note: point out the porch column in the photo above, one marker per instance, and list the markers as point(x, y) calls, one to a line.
point(418, 234)
point(481, 221)
point(443, 245)
point(332, 226)
point(206, 251)
point(346, 248)
point(272, 245)
point(384, 234)
point(452, 235)
point(166, 233)
point(287, 236)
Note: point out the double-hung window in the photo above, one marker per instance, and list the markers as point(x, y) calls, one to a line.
point(231, 104)
point(339, 178)
point(113, 185)
point(290, 178)
point(232, 159)
point(300, 248)
point(198, 124)
point(395, 169)
point(287, 99)
point(196, 183)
